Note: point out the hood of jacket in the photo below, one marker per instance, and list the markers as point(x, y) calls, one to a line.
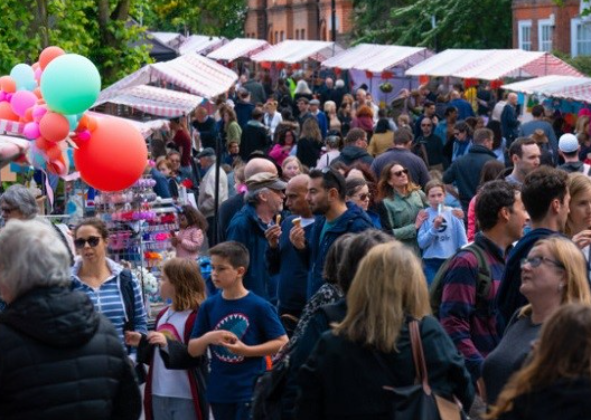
point(354, 214)
point(55, 316)
point(349, 154)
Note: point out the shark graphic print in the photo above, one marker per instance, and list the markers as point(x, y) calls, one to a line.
point(238, 324)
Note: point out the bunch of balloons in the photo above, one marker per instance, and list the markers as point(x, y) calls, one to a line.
point(51, 99)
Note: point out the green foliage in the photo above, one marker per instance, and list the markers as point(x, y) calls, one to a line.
point(203, 17)
point(581, 63)
point(459, 23)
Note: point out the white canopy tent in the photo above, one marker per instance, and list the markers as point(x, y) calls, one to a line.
point(295, 51)
point(377, 58)
point(191, 73)
point(201, 44)
point(492, 65)
point(565, 87)
point(239, 48)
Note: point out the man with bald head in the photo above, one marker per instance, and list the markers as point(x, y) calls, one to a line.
point(283, 258)
point(233, 205)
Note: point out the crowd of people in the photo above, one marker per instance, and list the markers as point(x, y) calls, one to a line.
point(339, 236)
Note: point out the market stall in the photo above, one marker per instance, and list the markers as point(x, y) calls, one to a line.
point(297, 51)
point(239, 48)
point(564, 87)
point(378, 66)
point(201, 44)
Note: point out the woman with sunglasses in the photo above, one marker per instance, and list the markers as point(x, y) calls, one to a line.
point(401, 204)
point(553, 274)
point(358, 193)
point(112, 289)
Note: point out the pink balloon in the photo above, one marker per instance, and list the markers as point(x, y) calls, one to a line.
point(31, 130)
point(38, 112)
point(21, 101)
point(38, 74)
point(2, 96)
point(84, 135)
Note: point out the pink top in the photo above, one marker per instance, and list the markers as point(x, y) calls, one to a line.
point(190, 241)
point(278, 154)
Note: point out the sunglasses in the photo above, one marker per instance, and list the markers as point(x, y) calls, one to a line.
point(364, 196)
point(93, 241)
point(399, 173)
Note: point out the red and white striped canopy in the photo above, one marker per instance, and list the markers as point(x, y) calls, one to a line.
point(239, 48)
point(11, 127)
point(201, 44)
point(294, 51)
point(377, 58)
point(157, 101)
point(492, 65)
point(192, 73)
point(565, 87)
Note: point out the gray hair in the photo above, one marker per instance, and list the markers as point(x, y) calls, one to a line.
point(252, 197)
point(340, 83)
point(20, 198)
point(31, 256)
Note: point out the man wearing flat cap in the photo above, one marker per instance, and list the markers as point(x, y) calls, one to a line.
point(264, 202)
point(206, 198)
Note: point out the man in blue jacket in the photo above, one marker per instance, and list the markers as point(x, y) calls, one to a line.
point(264, 201)
point(326, 196)
point(283, 258)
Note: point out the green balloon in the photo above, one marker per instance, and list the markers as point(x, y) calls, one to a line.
point(70, 84)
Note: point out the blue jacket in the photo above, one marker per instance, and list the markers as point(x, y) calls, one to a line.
point(293, 273)
point(354, 220)
point(322, 123)
point(249, 230)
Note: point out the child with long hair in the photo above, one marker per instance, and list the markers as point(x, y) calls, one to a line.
point(176, 381)
point(189, 239)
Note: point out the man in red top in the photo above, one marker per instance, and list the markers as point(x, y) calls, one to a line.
point(182, 140)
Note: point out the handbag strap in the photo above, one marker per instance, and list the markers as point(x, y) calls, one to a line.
point(421, 374)
point(418, 355)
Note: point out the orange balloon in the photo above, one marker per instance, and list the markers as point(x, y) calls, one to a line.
point(82, 123)
point(54, 127)
point(7, 84)
point(48, 54)
point(38, 93)
point(114, 158)
point(28, 115)
point(35, 65)
point(6, 112)
point(53, 152)
point(91, 124)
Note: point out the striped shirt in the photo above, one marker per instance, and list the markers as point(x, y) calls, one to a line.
point(475, 335)
point(108, 300)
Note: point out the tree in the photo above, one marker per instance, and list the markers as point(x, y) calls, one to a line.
point(441, 24)
point(211, 17)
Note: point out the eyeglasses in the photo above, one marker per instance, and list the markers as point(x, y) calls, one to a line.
point(93, 241)
point(426, 125)
point(537, 261)
point(399, 173)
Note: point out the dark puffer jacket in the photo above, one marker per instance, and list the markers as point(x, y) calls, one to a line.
point(62, 360)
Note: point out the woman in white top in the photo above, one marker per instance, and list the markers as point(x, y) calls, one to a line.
point(272, 118)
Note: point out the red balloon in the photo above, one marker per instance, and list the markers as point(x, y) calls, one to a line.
point(48, 54)
point(53, 152)
point(42, 144)
point(6, 112)
point(114, 158)
point(54, 127)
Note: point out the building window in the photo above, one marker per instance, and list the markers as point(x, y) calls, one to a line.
point(276, 37)
point(303, 35)
point(282, 36)
point(297, 34)
point(524, 35)
point(545, 34)
point(580, 37)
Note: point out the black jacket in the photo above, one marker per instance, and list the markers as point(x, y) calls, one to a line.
point(62, 360)
point(254, 137)
point(351, 154)
point(564, 400)
point(344, 380)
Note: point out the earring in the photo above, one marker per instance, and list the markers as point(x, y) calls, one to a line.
point(560, 287)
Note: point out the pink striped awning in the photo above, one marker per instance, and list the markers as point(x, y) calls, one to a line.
point(157, 101)
point(565, 87)
point(201, 44)
point(191, 73)
point(11, 127)
point(377, 58)
point(144, 127)
point(295, 51)
point(239, 48)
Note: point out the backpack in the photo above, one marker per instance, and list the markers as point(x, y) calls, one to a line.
point(483, 284)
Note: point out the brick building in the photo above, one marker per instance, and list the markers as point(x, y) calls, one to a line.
point(542, 25)
point(278, 20)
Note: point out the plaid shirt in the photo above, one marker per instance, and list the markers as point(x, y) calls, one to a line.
point(475, 335)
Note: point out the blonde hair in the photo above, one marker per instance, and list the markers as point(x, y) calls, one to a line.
point(290, 159)
point(578, 183)
point(330, 107)
point(576, 285)
point(388, 286)
point(189, 287)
